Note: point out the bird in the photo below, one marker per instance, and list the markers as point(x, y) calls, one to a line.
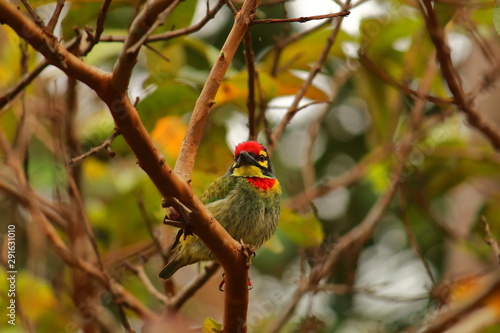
point(245, 201)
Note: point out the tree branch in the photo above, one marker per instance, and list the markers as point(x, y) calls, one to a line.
point(252, 74)
point(178, 301)
point(475, 119)
point(175, 33)
point(142, 26)
point(105, 144)
point(362, 232)
point(292, 110)
point(302, 19)
point(229, 252)
point(185, 162)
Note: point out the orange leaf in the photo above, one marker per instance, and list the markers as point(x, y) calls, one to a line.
point(169, 132)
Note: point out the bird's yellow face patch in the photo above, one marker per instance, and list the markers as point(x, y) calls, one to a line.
point(247, 171)
point(262, 159)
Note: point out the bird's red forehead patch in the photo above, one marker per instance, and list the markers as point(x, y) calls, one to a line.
point(249, 146)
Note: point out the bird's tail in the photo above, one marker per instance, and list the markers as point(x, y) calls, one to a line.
point(171, 268)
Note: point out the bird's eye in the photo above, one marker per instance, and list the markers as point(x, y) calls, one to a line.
point(262, 158)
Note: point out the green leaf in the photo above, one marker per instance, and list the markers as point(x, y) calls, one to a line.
point(180, 18)
point(496, 17)
point(171, 97)
point(444, 12)
point(211, 326)
point(304, 52)
point(84, 13)
point(305, 230)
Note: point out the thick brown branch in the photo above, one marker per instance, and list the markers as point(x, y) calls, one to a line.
point(47, 44)
point(185, 162)
point(127, 120)
point(143, 25)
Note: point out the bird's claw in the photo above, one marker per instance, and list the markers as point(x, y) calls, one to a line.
point(221, 284)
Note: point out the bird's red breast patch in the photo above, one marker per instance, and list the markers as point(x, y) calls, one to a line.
point(262, 183)
point(249, 146)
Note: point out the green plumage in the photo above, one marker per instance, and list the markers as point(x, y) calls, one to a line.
point(247, 212)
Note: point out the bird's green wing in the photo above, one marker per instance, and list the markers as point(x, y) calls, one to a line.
point(219, 189)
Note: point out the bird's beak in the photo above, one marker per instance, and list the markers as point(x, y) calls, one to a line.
point(245, 158)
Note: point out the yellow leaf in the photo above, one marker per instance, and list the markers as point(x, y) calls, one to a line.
point(229, 91)
point(305, 230)
point(289, 84)
point(274, 245)
point(235, 88)
point(211, 326)
point(94, 169)
point(35, 296)
point(169, 132)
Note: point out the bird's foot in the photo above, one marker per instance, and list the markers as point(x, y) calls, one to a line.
point(248, 252)
point(221, 284)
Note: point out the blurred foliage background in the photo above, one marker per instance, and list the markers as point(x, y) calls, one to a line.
point(344, 144)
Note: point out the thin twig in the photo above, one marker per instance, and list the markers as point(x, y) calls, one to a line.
point(178, 301)
point(347, 178)
point(27, 78)
point(445, 319)
point(281, 44)
point(55, 15)
point(249, 59)
point(157, 52)
point(366, 291)
point(106, 144)
point(490, 240)
point(308, 172)
point(149, 226)
point(412, 239)
point(33, 13)
point(175, 33)
point(475, 119)
point(138, 270)
point(101, 18)
point(363, 231)
point(231, 7)
point(292, 110)
point(387, 78)
point(27, 198)
point(302, 19)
